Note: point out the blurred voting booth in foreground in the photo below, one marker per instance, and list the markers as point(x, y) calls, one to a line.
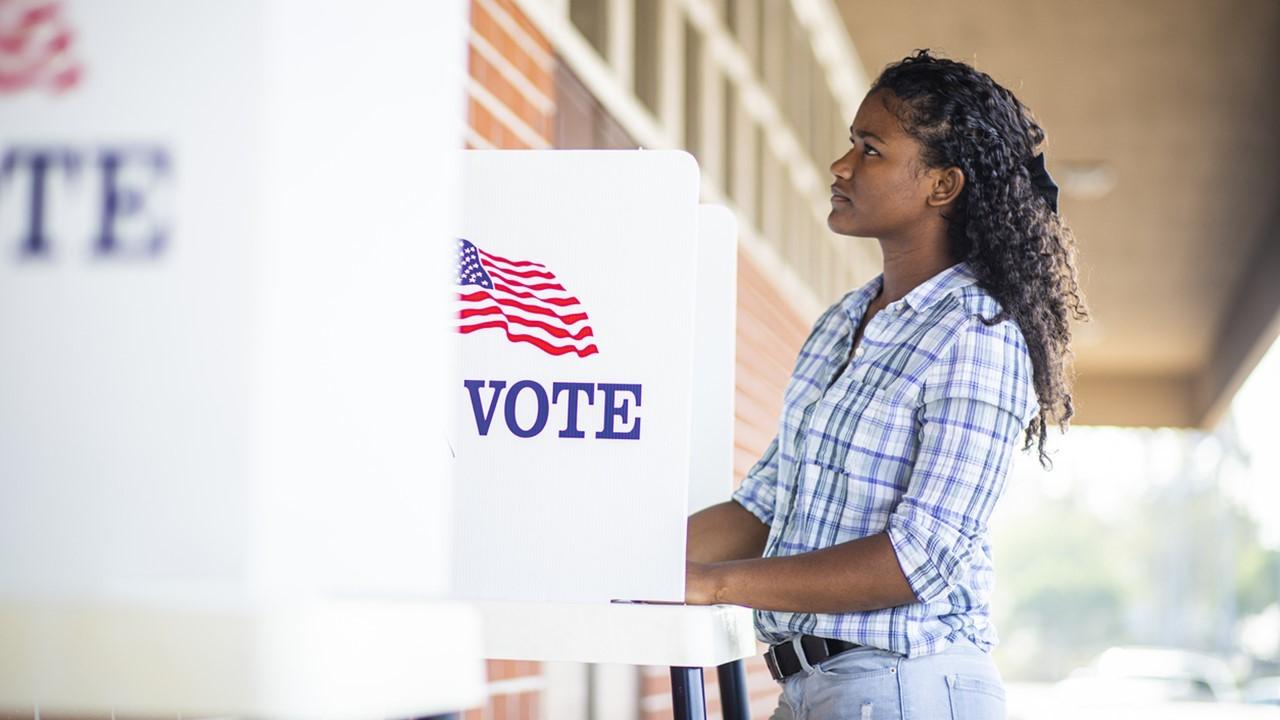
point(223, 470)
point(593, 403)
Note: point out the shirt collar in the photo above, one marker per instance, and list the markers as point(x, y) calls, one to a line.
point(855, 303)
point(928, 293)
point(921, 298)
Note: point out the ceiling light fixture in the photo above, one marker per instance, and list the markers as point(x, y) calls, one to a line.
point(1085, 180)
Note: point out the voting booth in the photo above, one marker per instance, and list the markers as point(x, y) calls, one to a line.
point(224, 465)
point(593, 403)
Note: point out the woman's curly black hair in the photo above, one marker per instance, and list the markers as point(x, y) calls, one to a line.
point(1018, 247)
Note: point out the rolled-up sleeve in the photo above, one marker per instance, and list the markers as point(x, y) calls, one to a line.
point(976, 401)
point(759, 487)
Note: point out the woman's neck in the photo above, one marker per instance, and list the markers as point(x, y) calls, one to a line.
point(907, 264)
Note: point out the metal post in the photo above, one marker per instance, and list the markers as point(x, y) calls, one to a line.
point(688, 697)
point(733, 691)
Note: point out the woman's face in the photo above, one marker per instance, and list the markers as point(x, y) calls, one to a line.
point(880, 186)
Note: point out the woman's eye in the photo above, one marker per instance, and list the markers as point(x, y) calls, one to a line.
point(866, 149)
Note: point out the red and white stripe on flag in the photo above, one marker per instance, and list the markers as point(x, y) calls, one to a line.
point(522, 299)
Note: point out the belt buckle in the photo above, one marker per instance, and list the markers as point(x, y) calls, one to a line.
point(771, 661)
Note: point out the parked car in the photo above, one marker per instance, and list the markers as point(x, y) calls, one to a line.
point(1155, 674)
point(1263, 691)
point(1140, 683)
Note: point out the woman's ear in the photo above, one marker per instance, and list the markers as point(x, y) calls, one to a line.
point(947, 184)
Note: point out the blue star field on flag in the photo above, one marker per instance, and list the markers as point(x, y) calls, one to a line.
point(470, 271)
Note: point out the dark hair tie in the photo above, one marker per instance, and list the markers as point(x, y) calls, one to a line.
point(1041, 181)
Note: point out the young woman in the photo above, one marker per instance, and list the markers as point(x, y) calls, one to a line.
point(860, 537)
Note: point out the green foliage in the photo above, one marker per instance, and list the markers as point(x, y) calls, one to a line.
point(1061, 580)
point(1179, 565)
point(1257, 579)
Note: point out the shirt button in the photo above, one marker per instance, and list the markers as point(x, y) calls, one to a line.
point(858, 352)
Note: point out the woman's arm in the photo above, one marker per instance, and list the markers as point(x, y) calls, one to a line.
point(972, 417)
point(853, 576)
point(933, 533)
point(725, 532)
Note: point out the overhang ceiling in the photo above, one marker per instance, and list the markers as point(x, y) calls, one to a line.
point(1174, 105)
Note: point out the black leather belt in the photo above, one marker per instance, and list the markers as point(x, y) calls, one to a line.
point(783, 661)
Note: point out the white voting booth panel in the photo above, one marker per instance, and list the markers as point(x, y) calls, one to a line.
point(714, 359)
point(631, 634)
point(554, 524)
point(223, 467)
point(572, 393)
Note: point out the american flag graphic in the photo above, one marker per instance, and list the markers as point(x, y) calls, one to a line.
point(523, 299)
point(36, 47)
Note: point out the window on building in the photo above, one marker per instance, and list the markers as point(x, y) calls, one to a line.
point(757, 175)
point(692, 90)
point(827, 261)
point(718, 8)
point(776, 194)
point(813, 251)
point(730, 138)
point(773, 52)
point(734, 136)
point(799, 58)
point(591, 17)
point(794, 231)
point(819, 114)
point(647, 63)
point(743, 19)
point(839, 132)
point(837, 258)
point(763, 14)
point(743, 183)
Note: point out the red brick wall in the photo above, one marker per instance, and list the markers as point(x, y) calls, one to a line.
point(510, 99)
point(514, 691)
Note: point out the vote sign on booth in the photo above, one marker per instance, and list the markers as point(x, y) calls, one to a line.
point(575, 280)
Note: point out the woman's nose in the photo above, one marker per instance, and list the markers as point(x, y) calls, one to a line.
point(842, 167)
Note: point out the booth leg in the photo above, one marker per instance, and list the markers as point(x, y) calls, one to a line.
point(688, 698)
point(733, 690)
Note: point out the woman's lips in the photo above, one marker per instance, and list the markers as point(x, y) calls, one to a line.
point(838, 199)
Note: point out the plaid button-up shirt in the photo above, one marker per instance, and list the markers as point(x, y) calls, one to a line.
point(913, 437)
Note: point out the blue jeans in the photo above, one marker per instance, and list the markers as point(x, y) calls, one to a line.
point(959, 683)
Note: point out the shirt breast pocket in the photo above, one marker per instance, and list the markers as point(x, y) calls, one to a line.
point(863, 439)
